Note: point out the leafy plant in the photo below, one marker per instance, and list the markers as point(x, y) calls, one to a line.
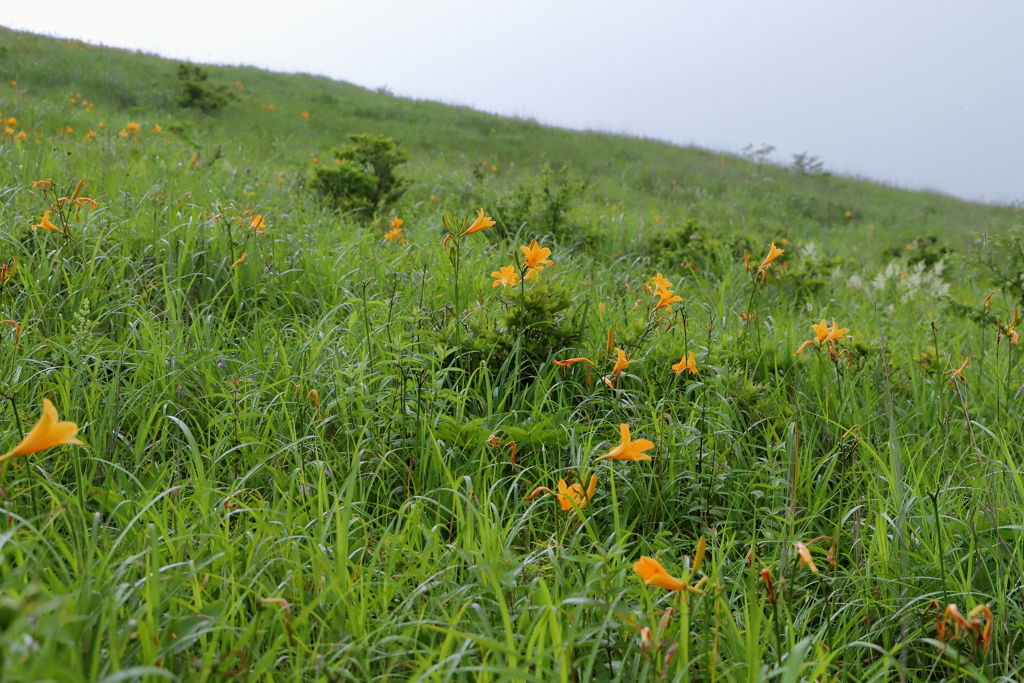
point(196, 91)
point(364, 177)
point(535, 326)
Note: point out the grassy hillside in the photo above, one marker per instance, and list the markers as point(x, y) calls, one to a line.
point(326, 446)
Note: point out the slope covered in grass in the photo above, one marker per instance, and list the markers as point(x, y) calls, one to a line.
point(316, 453)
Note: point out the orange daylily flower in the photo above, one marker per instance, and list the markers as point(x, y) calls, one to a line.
point(132, 126)
point(241, 259)
point(393, 234)
point(507, 276)
point(123, 133)
point(660, 282)
point(569, 496)
point(629, 449)
point(482, 222)
point(157, 128)
point(45, 223)
point(823, 333)
point(653, 574)
point(257, 224)
point(773, 253)
point(396, 222)
point(90, 135)
point(12, 122)
point(305, 115)
point(47, 433)
point(686, 363)
point(20, 136)
point(47, 183)
point(536, 258)
point(666, 297)
point(620, 362)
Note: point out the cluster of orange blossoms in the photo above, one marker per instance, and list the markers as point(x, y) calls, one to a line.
point(824, 334)
point(396, 229)
point(663, 290)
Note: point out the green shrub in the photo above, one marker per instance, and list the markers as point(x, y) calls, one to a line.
point(196, 91)
point(535, 326)
point(541, 206)
point(363, 178)
point(680, 245)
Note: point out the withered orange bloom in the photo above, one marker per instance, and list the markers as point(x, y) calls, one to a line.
point(42, 183)
point(47, 433)
point(773, 253)
point(570, 361)
point(629, 449)
point(959, 373)
point(805, 557)
point(45, 223)
point(241, 259)
point(482, 222)
point(507, 276)
point(686, 363)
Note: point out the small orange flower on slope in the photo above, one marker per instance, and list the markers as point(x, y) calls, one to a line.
point(536, 258)
point(305, 115)
point(621, 363)
point(47, 433)
point(396, 222)
point(482, 222)
point(773, 253)
point(686, 363)
point(393, 234)
point(12, 122)
point(157, 128)
point(257, 224)
point(45, 223)
point(629, 449)
point(132, 126)
point(507, 276)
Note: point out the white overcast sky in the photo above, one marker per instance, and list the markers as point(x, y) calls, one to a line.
point(923, 94)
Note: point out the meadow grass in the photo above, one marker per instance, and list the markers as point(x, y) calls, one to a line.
point(300, 462)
